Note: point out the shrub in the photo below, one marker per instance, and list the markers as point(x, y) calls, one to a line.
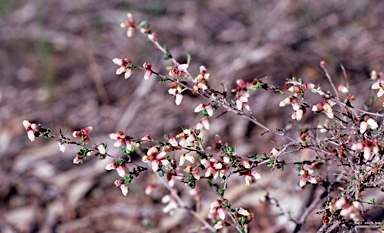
point(344, 144)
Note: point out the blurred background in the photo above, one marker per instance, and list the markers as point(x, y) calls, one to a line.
point(56, 68)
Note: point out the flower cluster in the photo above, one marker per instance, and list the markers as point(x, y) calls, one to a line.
point(82, 134)
point(348, 209)
point(125, 68)
point(214, 167)
point(130, 24)
point(179, 71)
point(242, 93)
point(217, 212)
point(156, 157)
point(325, 107)
point(307, 176)
point(176, 91)
point(121, 140)
point(298, 88)
point(298, 110)
point(201, 81)
point(32, 129)
point(250, 177)
point(367, 146)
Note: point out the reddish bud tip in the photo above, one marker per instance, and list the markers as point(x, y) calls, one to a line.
point(323, 64)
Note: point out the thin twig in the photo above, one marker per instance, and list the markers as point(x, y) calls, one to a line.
point(182, 204)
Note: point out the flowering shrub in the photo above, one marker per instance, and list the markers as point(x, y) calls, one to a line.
point(345, 143)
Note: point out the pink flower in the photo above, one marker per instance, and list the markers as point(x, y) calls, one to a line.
point(298, 114)
point(121, 140)
point(150, 188)
point(130, 24)
point(148, 70)
point(146, 138)
point(298, 89)
point(194, 171)
point(179, 71)
point(203, 123)
point(173, 141)
point(366, 147)
point(352, 211)
point(176, 90)
point(243, 84)
point(307, 176)
point(156, 157)
point(185, 157)
point(254, 175)
point(216, 212)
point(98, 149)
point(124, 67)
point(298, 111)
point(348, 209)
point(78, 159)
point(213, 168)
point(325, 108)
point(342, 88)
point(368, 123)
point(246, 164)
point(207, 107)
point(123, 187)
point(32, 129)
point(201, 80)
point(121, 168)
point(242, 100)
point(188, 137)
point(153, 36)
point(83, 134)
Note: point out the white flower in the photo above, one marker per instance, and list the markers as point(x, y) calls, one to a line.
point(342, 88)
point(243, 212)
point(285, 102)
point(62, 147)
point(379, 85)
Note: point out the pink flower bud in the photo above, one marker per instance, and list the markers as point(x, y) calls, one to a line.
point(323, 64)
point(342, 88)
point(245, 163)
point(150, 188)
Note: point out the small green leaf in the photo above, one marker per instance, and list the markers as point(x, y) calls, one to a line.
point(127, 179)
point(160, 172)
point(220, 191)
point(242, 220)
point(372, 201)
point(167, 56)
point(254, 157)
point(271, 162)
point(143, 24)
point(192, 184)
